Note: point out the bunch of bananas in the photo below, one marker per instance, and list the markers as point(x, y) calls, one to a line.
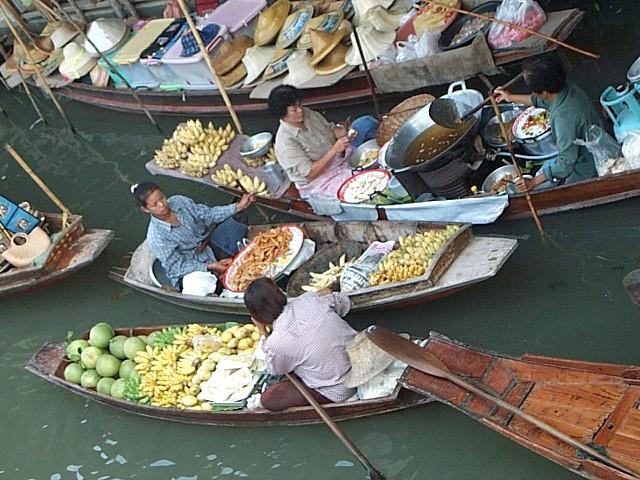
point(413, 256)
point(226, 176)
point(133, 390)
point(164, 337)
point(252, 185)
point(328, 277)
point(194, 148)
point(260, 161)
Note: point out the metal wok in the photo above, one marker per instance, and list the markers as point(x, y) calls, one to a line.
point(416, 133)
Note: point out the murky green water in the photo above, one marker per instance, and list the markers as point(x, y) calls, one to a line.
point(564, 300)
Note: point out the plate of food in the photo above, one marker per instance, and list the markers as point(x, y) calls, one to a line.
point(267, 255)
point(363, 186)
point(435, 18)
point(531, 123)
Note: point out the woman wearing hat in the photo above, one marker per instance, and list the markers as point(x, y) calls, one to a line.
point(313, 151)
point(192, 241)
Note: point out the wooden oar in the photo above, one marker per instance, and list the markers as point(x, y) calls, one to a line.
point(516, 27)
point(418, 358)
point(514, 161)
point(373, 473)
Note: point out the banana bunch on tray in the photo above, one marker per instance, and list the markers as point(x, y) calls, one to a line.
point(252, 185)
point(328, 277)
point(260, 161)
point(194, 148)
point(226, 176)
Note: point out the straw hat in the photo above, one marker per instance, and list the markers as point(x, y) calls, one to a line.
point(367, 360)
point(373, 42)
point(235, 76)
point(256, 60)
point(270, 22)
point(77, 61)
point(106, 34)
point(43, 44)
point(345, 6)
point(230, 54)
point(294, 25)
point(278, 64)
point(299, 69)
point(13, 62)
point(329, 22)
point(322, 42)
point(50, 27)
point(99, 76)
point(63, 34)
point(382, 19)
point(334, 62)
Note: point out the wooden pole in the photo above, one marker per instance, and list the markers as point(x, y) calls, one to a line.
point(207, 59)
point(66, 213)
point(38, 71)
point(372, 87)
point(68, 18)
point(514, 161)
point(517, 27)
point(333, 426)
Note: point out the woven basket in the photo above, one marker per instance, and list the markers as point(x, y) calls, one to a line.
point(400, 114)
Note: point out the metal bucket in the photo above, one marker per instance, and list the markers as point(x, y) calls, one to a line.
point(409, 139)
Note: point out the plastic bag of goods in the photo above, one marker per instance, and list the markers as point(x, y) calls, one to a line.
point(523, 13)
point(607, 154)
point(631, 148)
point(357, 275)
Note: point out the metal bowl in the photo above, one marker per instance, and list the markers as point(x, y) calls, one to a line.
point(491, 133)
point(257, 146)
point(356, 155)
point(497, 175)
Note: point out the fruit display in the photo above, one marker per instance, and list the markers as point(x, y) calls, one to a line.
point(258, 162)
point(164, 369)
point(229, 177)
point(328, 277)
point(413, 256)
point(193, 148)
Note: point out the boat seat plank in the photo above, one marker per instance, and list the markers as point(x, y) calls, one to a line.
point(612, 425)
point(603, 368)
point(547, 374)
point(469, 363)
point(516, 396)
point(626, 439)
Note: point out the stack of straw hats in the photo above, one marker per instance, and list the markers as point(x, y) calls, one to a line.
point(328, 49)
point(77, 61)
point(228, 60)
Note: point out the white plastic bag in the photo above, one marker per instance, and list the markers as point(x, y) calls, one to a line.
point(524, 13)
point(607, 154)
point(428, 44)
point(406, 50)
point(631, 148)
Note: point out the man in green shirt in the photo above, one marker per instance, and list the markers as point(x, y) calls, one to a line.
point(571, 113)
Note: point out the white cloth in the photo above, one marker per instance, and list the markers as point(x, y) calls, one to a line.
point(199, 283)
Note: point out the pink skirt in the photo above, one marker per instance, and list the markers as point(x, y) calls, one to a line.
point(326, 185)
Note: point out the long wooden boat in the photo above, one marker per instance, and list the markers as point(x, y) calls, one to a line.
point(594, 403)
point(49, 363)
point(74, 248)
point(464, 261)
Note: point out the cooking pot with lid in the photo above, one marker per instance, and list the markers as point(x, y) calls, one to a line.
point(420, 132)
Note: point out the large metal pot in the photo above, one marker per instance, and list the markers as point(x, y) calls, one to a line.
point(414, 135)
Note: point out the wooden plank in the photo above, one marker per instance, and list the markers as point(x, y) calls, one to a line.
point(596, 367)
point(614, 422)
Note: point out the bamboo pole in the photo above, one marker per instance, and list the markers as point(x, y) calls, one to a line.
point(367, 73)
point(517, 27)
point(207, 59)
point(66, 213)
point(68, 18)
point(38, 72)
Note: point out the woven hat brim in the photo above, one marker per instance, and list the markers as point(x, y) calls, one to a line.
point(225, 60)
point(235, 76)
point(281, 41)
point(334, 62)
point(265, 34)
point(338, 36)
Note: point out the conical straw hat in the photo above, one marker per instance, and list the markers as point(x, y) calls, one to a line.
point(230, 54)
point(77, 61)
point(63, 34)
point(299, 69)
point(382, 19)
point(373, 42)
point(234, 76)
point(256, 60)
point(278, 64)
point(329, 22)
point(43, 44)
point(270, 22)
point(294, 25)
point(322, 42)
point(34, 55)
point(106, 34)
point(334, 62)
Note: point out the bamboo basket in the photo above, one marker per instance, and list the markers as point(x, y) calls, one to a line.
point(400, 114)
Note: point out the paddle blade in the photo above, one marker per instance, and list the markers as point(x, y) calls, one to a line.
point(408, 352)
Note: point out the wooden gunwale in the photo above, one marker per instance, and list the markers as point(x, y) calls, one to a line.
point(592, 402)
point(49, 363)
point(75, 248)
point(437, 285)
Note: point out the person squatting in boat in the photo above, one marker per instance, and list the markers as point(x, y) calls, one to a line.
point(571, 113)
point(309, 339)
point(313, 151)
point(194, 242)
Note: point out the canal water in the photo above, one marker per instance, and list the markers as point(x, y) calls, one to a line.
point(563, 298)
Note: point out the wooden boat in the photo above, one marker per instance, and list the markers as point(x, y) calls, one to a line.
point(75, 248)
point(49, 363)
point(462, 262)
point(594, 403)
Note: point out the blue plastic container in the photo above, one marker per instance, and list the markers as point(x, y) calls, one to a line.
point(622, 104)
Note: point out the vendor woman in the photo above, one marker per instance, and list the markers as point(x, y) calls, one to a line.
point(313, 151)
point(309, 339)
point(192, 241)
point(571, 113)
